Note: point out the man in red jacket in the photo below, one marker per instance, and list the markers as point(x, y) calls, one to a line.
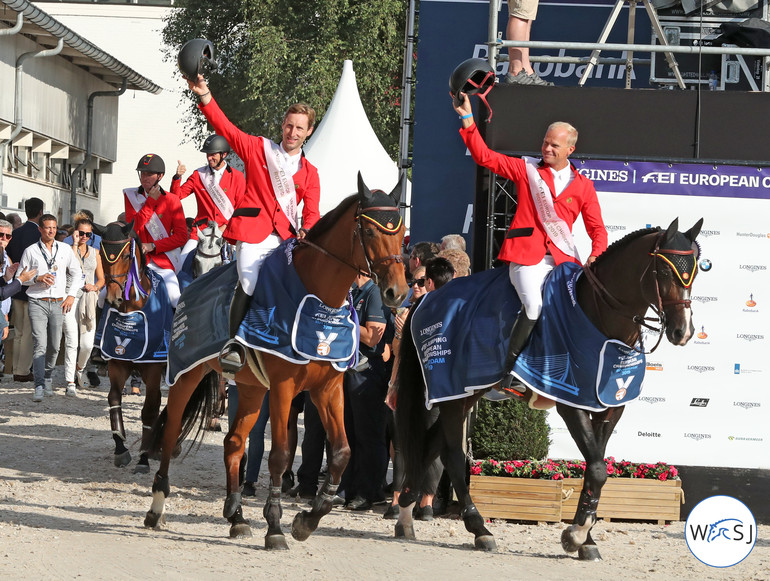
point(158, 221)
point(551, 195)
point(218, 187)
point(278, 179)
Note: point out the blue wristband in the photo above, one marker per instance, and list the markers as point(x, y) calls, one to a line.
point(468, 116)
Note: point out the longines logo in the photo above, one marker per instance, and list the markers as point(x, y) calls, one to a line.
point(615, 228)
point(703, 299)
point(749, 337)
point(752, 267)
point(697, 437)
point(649, 434)
point(708, 233)
point(699, 402)
point(744, 439)
point(747, 405)
point(701, 368)
point(651, 399)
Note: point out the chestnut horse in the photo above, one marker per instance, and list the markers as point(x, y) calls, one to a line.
point(650, 268)
point(362, 235)
point(127, 290)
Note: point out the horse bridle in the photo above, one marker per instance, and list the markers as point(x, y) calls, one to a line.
point(114, 278)
point(601, 292)
point(370, 264)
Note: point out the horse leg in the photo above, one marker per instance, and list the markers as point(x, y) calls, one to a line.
point(249, 403)
point(451, 420)
point(329, 403)
point(118, 373)
point(175, 406)
point(591, 434)
point(281, 393)
point(151, 373)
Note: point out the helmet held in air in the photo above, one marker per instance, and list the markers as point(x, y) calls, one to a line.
point(196, 56)
point(473, 76)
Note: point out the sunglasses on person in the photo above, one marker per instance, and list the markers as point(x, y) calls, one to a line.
point(85, 234)
point(420, 282)
point(6, 235)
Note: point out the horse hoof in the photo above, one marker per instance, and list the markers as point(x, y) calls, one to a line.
point(567, 542)
point(123, 459)
point(276, 542)
point(405, 532)
point(589, 553)
point(142, 469)
point(486, 543)
point(153, 520)
point(299, 530)
point(240, 531)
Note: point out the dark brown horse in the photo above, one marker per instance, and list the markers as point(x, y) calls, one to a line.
point(127, 289)
point(362, 235)
point(649, 268)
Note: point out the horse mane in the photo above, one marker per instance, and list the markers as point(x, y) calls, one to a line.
point(331, 218)
point(628, 238)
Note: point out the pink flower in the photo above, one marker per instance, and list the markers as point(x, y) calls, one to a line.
point(476, 469)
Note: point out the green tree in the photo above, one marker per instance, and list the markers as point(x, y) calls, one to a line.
point(272, 53)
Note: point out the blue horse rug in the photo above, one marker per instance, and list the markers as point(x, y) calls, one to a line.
point(139, 336)
point(287, 321)
point(461, 332)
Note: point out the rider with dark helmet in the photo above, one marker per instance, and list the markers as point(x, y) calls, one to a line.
point(158, 221)
point(551, 195)
point(278, 179)
point(217, 186)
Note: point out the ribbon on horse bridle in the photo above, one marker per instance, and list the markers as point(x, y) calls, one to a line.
point(132, 276)
point(388, 228)
point(685, 277)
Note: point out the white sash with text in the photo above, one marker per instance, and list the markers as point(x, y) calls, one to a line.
point(283, 184)
point(217, 194)
point(154, 226)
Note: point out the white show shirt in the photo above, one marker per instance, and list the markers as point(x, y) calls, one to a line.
point(66, 263)
point(562, 178)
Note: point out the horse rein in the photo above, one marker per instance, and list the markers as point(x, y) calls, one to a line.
point(370, 264)
point(601, 292)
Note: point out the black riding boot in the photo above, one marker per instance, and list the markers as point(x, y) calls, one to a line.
point(232, 357)
point(522, 329)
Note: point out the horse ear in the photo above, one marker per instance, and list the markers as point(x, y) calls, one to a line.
point(400, 188)
point(363, 191)
point(693, 232)
point(671, 231)
point(128, 228)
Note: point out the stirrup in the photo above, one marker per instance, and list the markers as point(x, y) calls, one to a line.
point(232, 358)
point(511, 384)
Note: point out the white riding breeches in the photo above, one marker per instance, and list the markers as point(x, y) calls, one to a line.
point(528, 281)
point(250, 258)
point(172, 284)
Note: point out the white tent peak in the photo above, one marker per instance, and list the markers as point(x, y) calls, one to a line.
point(344, 143)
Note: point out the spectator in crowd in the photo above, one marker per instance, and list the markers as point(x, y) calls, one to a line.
point(421, 253)
point(521, 13)
point(23, 237)
point(12, 280)
point(49, 300)
point(14, 219)
point(62, 232)
point(452, 241)
point(80, 321)
point(95, 241)
point(461, 262)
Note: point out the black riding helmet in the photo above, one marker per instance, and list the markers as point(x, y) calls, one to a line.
point(215, 144)
point(473, 77)
point(196, 55)
point(151, 163)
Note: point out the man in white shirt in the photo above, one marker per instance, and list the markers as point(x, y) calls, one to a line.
point(49, 299)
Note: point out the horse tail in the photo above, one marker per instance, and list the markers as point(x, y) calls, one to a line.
point(200, 409)
point(411, 414)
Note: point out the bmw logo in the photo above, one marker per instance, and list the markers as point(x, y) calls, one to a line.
point(704, 264)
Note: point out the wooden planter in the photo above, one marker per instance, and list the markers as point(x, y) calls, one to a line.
point(555, 500)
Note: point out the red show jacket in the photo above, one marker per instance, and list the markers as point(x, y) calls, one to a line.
point(169, 210)
point(233, 183)
point(259, 189)
point(578, 197)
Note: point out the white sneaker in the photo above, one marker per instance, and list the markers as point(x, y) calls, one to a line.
point(48, 387)
point(38, 393)
point(71, 389)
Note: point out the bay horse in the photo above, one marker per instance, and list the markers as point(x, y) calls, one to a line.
point(125, 274)
point(362, 235)
point(650, 268)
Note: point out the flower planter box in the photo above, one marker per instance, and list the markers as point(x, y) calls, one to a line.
point(555, 500)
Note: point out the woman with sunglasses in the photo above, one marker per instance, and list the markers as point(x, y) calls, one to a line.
point(80, 321)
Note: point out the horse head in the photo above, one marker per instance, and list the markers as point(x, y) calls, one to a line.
point(676, 265)
point(122, 260)
point(381, 231)
point(208, 253)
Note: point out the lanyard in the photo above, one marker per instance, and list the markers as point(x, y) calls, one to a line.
point(52, 262)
